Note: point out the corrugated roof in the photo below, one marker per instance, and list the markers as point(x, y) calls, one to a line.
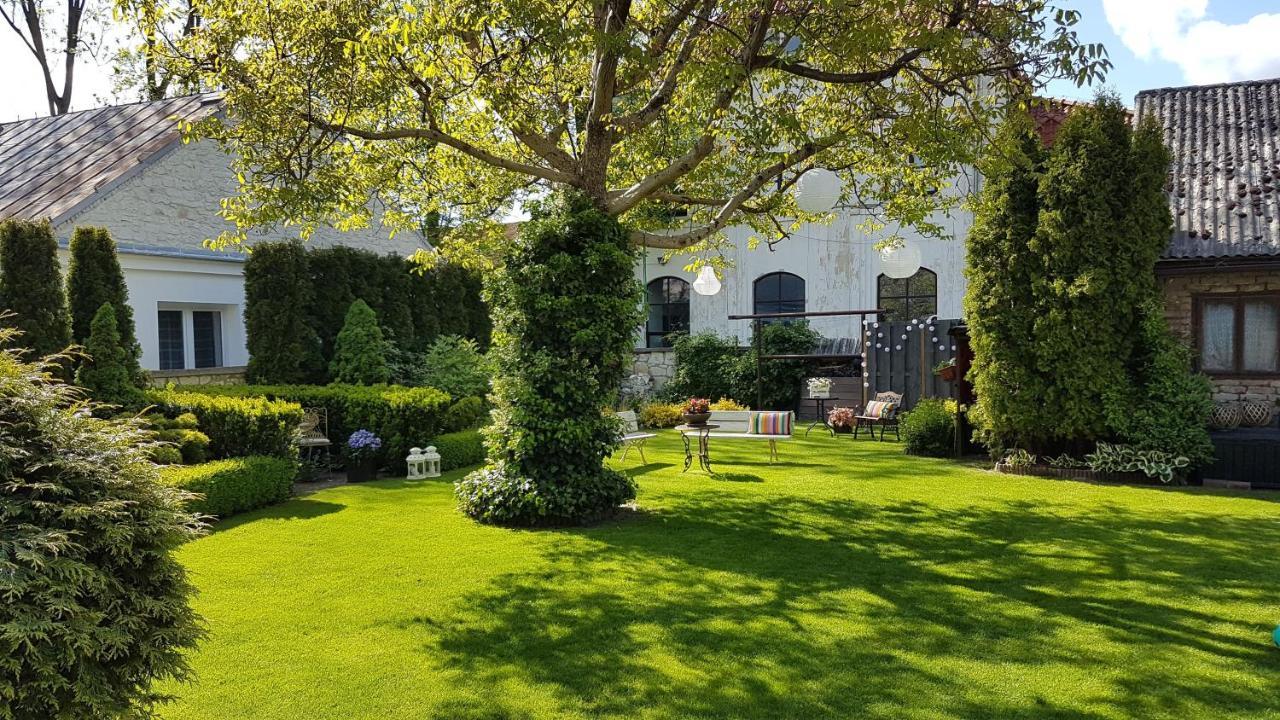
point(51, 166)
point(1224, 183)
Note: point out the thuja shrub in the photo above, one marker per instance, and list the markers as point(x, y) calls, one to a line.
point(565, 307)
point(94, 277)
point(360, 353)
point(95, 607)
point(283, 346)
point(107, 371)
point(31, 287)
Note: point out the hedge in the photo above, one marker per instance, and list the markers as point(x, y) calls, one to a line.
point(235, 485)
point(237, 426)
point(459, 449)
point(402, 417)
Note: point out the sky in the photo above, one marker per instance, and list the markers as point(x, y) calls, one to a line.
point(1152, 43)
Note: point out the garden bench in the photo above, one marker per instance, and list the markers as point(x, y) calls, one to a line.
point(741, 425)
point(631, 435)
point(882, 411)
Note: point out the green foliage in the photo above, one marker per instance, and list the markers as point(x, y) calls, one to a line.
point(360, 352)
point(192, 445)
point(460, 449)
point(708, 365)
point(455, 365)
point(929, 428)
point(1063, 307)
point(565, 306)
point(94, 277)
point(31, 287)
point(227, 487)
point(1163, 466)
point(467, 413)
point(661, 415)
point(108, 372)
point(780, 380)
point(283, 347)
point(402, 417)
point(165, 455)
point(95, 608)
point(237, 426)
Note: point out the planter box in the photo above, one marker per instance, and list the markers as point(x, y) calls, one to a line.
point(362, 470)
point(1084, 474)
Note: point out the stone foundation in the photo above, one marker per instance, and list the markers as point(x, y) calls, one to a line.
point(1179, 292)
point(659, 364)
point(200, 376)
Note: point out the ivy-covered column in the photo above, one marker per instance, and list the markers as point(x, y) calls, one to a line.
point(565, 307)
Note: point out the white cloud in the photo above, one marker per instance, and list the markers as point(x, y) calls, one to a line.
point(1206, 50)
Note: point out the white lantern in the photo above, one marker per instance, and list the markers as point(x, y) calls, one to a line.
point(707, 282)
point(433, 461)
point(900, 262)
point(818, 191)
point(417, 464)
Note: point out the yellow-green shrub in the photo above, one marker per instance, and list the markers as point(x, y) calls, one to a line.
point(661, 415)
point(233, 486)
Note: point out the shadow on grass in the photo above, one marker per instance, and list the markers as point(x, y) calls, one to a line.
point(797, 607)
point(299, 508)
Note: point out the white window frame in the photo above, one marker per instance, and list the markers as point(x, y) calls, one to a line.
point(189, 330)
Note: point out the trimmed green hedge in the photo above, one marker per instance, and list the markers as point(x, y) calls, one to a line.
point(237, 426)
point(459, 449)
point(402, 417)
point(235, 485)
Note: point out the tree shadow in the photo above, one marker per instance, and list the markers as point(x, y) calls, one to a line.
point(299, 508)
point(798, 607)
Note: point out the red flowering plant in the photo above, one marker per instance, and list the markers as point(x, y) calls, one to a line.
point(840, 417)
point(697, 406)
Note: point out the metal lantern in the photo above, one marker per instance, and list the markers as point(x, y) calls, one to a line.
point(818, 191)
point(417, 464)
point(432, 461)
point(707, 282)
point(900, 262)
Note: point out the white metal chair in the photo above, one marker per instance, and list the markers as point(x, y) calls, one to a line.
point(631, 435)
point(313, 434)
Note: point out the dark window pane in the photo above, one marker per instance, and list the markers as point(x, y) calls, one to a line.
point(779, 292)
point(668, 310)
point(206, 335)
point(924, 282)
point(912, 298)
point(170, 324)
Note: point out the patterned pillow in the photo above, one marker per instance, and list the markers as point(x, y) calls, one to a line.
point(770, 423)
point(879, 409)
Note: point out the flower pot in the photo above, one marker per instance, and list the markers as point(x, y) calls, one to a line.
point(696, 418)
point(362, 469)
point(842, 429)
point(950, 373)
point(820, 393)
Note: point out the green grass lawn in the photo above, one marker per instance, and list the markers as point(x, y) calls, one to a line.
point(845, 581)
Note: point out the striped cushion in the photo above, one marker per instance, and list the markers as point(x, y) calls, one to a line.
point(878, 409)
point(770, 423)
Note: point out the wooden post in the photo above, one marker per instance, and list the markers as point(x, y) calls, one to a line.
point(755, 332)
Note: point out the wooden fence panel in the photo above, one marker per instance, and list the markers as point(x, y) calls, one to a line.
point(900, 357)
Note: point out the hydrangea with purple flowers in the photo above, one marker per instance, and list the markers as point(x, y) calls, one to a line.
point(363, 442)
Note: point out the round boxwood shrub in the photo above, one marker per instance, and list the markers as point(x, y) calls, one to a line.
point(95, 606)
point(929, 428)
point(565, 307)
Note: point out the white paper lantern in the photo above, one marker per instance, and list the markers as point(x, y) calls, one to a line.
point(900, 262)
point(818, 191)
point(707, 282)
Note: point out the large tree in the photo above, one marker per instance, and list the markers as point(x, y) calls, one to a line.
point(55, 34)
point(460, 109)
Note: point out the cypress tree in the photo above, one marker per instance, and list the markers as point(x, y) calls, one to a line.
point(360, 353)
point(31, 286)
point(283, 347)
point(94, 277)
point(106, 372)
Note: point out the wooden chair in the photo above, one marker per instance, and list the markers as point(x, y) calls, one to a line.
point(882, 411)
point(631, 435)
point(313, 434)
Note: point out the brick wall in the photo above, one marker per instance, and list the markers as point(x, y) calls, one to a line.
point(1178, 293)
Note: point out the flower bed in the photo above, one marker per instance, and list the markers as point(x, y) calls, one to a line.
point(1084, 474)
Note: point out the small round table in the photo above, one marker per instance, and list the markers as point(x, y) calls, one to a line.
point(820, 404)
point(704, 434)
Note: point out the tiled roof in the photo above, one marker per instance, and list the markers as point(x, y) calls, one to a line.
point(1048, 114)
point(50, 166)
point(1224, 183)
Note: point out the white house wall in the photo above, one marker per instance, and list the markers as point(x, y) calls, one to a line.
point(839, 265)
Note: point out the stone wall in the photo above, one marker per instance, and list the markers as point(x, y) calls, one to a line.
point(657, 364)
point(201, 376)
point(1179, 291)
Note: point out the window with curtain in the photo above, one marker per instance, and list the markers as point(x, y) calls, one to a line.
point(1239, 335)
point(778, 293)
point(668, 311)
point(909, 298)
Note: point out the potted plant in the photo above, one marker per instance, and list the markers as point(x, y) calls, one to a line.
point(362, 456)
point(819, 387)
point(697, 411)
point(841, 419)
point(947, 370)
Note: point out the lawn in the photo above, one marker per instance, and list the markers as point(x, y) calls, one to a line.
point(845, 581)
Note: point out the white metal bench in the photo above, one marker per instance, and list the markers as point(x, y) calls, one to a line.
point(631, 435)
point(736, 425)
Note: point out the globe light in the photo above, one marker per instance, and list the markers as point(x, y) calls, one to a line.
point(900, 262)
point(707, 282)
point(818, 191)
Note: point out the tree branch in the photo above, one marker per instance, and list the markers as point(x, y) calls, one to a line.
point(611, 18)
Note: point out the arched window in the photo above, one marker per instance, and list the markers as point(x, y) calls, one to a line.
point(668, 311)
point(779, 292)
point(908, 298)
